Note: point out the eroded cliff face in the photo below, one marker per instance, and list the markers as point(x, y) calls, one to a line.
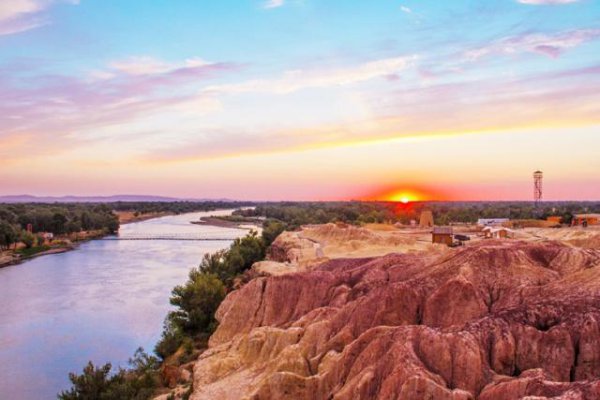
point(498, 320)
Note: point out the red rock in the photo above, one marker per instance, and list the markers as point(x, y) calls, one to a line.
point(496, 320)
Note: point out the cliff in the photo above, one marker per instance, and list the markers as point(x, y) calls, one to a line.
point(495, 320)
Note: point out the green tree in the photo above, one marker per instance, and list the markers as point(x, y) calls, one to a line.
point(271, 229)
point(197, 301)
point(27, 238)
point(99, 383)
point(171, 339)
point(8, 235)
point(59, 221)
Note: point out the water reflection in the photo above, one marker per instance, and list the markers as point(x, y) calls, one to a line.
point(99, 302)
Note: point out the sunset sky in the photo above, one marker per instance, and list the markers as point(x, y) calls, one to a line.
point(300, 99)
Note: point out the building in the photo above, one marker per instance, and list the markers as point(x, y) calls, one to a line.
point(498, 233)
point(426, 219)
point(442, 235)
point(586, 219)
point(492, 221)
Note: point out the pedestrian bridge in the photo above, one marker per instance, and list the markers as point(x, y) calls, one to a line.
point(215, 237)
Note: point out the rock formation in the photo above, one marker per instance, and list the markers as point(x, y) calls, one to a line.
point(495, 320)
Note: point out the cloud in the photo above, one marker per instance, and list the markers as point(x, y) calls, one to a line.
point(22, 15)
point(10, 10)
point(62, 110)
point(295, 80)
point(19, 25)
point(405, 9)
point(551, 45)
point(149, 65)
point(273, 3)
point(546, 2)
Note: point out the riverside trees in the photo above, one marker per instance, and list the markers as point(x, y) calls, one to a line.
point(197, 299)
point(8, 235)
point(60, 218)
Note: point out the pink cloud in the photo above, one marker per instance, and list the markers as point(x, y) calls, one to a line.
point(22, 15)
point(552, 45)
point(59, 109)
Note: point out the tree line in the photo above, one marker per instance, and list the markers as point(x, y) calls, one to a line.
point(58, 219)
point(295, 214)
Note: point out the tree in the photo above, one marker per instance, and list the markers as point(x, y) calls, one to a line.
point(272, 229)
point(40, 240)
point(99, 383)
point(27, 238)
point(197, 301)
point(92, 384)
point(8, 235)
point(59, 221)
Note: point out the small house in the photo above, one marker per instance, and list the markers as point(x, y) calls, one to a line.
point(586, 219)
point(498, 233)
point(442, 235)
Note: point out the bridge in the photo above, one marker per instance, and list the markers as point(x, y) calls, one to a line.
point(174, 237)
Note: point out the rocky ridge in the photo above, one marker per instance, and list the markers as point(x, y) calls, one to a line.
point(496, 320)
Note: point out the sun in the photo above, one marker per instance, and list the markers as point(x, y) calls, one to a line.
point(403, 197)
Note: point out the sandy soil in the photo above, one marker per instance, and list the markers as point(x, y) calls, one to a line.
point(216, 221)
point(315, 244)
point(127, 217)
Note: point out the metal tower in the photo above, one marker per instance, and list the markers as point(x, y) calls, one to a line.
point(537, 187)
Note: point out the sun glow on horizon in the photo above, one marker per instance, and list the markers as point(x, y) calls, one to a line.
point(403, 197)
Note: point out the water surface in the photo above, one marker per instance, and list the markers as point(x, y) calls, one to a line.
point(99, 302)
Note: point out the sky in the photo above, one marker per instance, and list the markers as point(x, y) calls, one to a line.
point(300, 99)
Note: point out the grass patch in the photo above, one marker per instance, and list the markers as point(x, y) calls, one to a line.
point(33, 250)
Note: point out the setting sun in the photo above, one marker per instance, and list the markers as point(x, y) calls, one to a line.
point(403, 197)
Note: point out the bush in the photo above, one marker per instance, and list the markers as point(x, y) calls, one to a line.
point(99, 383)
point(8, 235)
point(40, 240)
point(197, 300)
point(271, 229)
point(170, 341)
point(27, 238)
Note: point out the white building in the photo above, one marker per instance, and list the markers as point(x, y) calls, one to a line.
point(491, 221)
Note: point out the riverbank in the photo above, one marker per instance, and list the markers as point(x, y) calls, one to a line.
point(71, 242)
point(128, 217)
point(99, 303)
point(7, 260)
point(60, 245)
point(230, 222)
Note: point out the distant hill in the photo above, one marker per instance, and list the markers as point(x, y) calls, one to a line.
point(94, 199)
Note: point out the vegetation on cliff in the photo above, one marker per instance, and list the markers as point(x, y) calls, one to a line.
point(138, 382)
point(192, 322)
point(186, 328)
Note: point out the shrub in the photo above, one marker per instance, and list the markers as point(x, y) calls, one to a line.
point(271, 229)
point(99, 383)
point(170, 341)
point(27, 238)
point(8, 235)
point(197, 300)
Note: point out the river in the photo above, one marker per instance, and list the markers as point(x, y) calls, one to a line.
point(99, 302)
